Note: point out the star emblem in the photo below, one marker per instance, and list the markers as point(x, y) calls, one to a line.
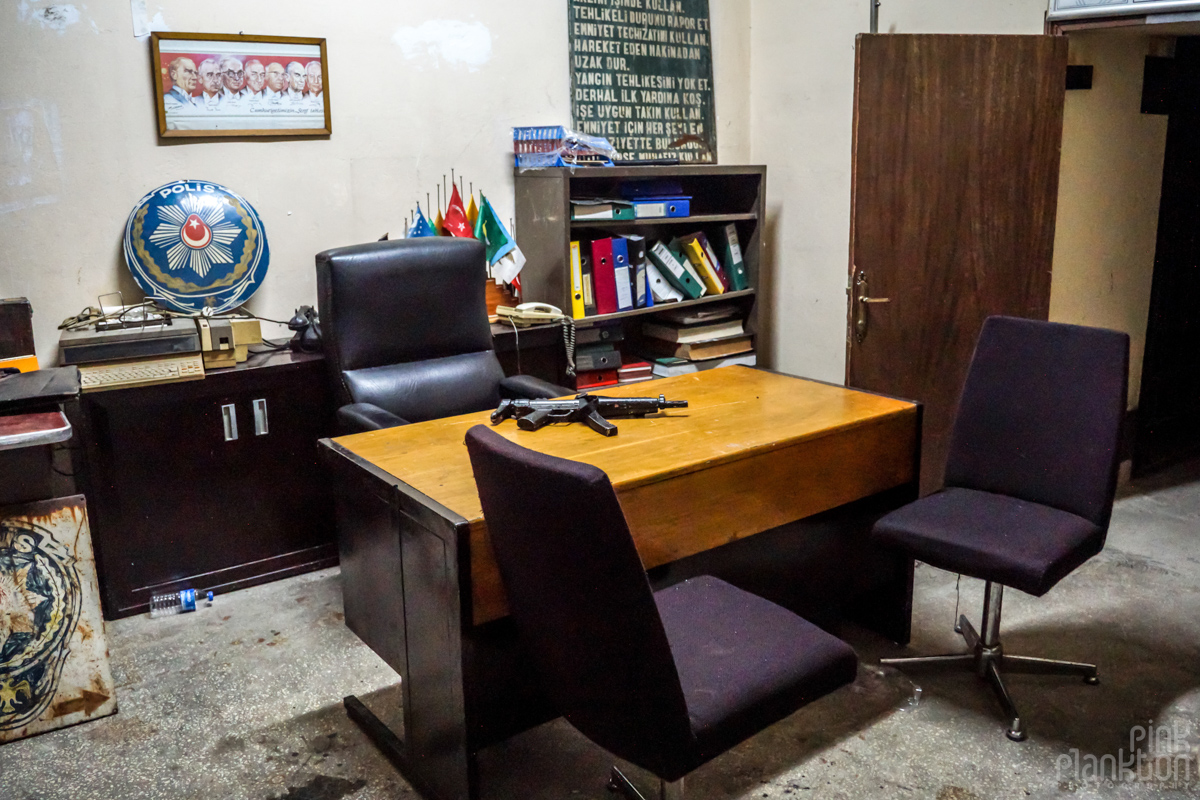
point(17, 604)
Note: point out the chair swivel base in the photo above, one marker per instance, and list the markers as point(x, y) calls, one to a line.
point(987, 659)
point(618, 783)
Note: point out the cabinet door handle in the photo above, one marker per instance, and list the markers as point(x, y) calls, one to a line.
point(260, 417)
point(229, 418)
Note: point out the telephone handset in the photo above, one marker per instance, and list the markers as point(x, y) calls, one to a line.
point(534, 313)
point(530, 313)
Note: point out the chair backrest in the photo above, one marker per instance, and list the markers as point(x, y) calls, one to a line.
point(405, 326)
point(579, 595)
point(1040, 415)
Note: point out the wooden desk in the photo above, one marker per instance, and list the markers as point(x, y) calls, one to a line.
point(754, 452)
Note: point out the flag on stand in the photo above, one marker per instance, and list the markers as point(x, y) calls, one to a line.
point(420, 226)
point(502, 251)
point(456, 217)
point(439, 225)
point(490, 231)
point(472, 210)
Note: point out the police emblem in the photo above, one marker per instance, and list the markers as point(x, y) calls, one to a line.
point(196, 246)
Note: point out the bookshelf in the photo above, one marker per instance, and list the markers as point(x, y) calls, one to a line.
point(544, 229)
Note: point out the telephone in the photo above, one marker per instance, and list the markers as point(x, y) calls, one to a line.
point(308, 330)
point(530, 313)
point(534, 313)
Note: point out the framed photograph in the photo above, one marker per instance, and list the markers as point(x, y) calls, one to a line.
point(209, 84)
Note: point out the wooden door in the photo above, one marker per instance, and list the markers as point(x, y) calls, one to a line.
point(1169, 402)
point(955, 184)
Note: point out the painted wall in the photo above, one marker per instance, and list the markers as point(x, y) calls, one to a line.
point(416, 89)
point(802, 93)
point(1109, 191)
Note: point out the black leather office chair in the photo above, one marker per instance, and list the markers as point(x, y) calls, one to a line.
point(667, 679)
point(1030, 480)
point(406, 333)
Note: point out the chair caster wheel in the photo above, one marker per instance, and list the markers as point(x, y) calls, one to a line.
point(1092, 680)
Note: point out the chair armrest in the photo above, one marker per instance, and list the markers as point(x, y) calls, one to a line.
point(527, 387)
point(359, 417)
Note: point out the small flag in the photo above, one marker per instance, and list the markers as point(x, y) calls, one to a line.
point(439, 225)
point(472, 211)
point(420, 226)
point(456, 217)
point(490, 230)
point(508, 266)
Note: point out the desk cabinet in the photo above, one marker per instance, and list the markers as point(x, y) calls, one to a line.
point(179, 498)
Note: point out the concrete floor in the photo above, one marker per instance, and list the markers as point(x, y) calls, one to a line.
point(243, 700)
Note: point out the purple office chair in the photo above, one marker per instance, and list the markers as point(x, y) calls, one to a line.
point(667, 680)
point(1030, 480)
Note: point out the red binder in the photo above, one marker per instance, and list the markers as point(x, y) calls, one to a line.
point(605, 279)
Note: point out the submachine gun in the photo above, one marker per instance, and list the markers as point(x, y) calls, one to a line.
point(532, 415)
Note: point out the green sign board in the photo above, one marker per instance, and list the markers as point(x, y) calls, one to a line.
point(641, 76)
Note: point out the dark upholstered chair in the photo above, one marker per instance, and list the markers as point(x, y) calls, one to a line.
point(667, 679)
point(406, 333)
point(1030, 480)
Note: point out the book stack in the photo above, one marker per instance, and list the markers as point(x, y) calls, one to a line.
point(687, 340)
point(635, 372)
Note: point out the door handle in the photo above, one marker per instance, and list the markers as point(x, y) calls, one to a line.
point(229, 420)
point(260, 417)
point(862, 299)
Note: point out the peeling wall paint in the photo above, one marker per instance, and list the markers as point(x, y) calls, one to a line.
point(56, 17)
point(31, 155)
point(143, 24)
point(457, 43)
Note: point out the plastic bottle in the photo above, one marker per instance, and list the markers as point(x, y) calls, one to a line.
point(165, 605)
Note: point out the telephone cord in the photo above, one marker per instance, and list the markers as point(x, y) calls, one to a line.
point(568, 326)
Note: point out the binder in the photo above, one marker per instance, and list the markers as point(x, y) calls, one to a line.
point(735, 266)
point(601, 209)
point(585, 268)
point(712, 257)
point(576, 283)
point(677, 249)
point(590, 359)
point(637, 265)
point(603, 277)
point(695, 254)
point(659, 288)
point(662, 207)
point(675, 273)
point(621, 273)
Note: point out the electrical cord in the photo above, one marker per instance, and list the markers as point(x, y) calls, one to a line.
point(91, 315)
point(516, 343)
point(957, 627)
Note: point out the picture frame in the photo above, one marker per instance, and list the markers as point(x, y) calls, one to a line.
point(224, 85)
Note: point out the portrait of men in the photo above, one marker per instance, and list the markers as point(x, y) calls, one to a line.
point(211, 84)
point(234, 77)
point(256, 82)
point(297, 80)
point(183, 75)
point(276, 81)
point(214, 85)
point(316, 86)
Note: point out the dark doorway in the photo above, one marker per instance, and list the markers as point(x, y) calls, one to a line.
point(1168, 416)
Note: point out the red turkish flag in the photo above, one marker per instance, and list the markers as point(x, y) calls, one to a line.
point(456, 222)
